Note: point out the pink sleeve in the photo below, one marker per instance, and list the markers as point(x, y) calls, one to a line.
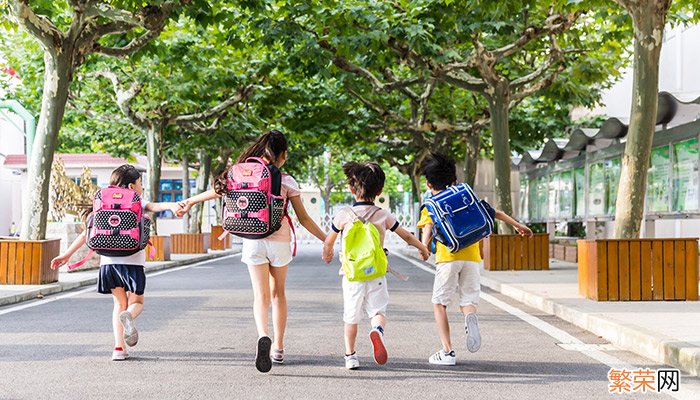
point(290, 187)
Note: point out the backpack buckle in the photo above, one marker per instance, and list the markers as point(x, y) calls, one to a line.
point(116, 206)
point(243, 185)
point(464, 199)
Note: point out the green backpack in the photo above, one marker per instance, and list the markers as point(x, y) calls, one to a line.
point(363, 256)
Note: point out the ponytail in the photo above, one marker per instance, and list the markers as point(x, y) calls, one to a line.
point(271, 145)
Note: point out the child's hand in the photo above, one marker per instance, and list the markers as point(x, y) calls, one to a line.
point(524, 230)
point(424, 252)
point(182, 208)
point(59, 261)
point(327, 254)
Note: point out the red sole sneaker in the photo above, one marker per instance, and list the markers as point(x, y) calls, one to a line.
point(380, 355)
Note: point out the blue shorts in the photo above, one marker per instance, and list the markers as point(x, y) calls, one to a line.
point(130, 277)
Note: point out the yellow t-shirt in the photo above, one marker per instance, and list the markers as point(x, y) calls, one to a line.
point(442, 253)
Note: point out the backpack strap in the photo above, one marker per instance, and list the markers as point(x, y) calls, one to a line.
point(81, 262)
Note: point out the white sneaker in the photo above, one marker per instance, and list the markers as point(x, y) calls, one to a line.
point(351, 361)
point(471, 328)
point(442, 358)
point(131, 335)
point(119, 355)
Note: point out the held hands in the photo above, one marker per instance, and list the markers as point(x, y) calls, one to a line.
point(59, 261)
point(182, 207)
point(424, 252)
point(327, 253)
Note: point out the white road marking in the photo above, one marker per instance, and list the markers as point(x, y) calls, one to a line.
point(51, 299)
point(567, 340)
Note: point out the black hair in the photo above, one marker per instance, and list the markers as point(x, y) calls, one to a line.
point(440, 171)
point(124, 175)
point(271, 145)
point(367, 179)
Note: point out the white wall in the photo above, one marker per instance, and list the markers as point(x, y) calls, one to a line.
point(677, 72)
point(11, 142)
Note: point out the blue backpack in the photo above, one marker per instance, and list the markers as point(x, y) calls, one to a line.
point(460, 218)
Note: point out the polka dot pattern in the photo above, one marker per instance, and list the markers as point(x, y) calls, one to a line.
point(117, 244)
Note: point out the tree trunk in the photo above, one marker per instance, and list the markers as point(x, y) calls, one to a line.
point(57, 78)
point(202, 183)
point(153, 150)
point(185, 191)
point(649, 21)
point(498, 108)
point(326, 195)
point(471, 156)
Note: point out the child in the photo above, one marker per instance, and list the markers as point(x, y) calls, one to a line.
point(366, 181)
point(267, 259)
point(455, 272)
point(123, 277)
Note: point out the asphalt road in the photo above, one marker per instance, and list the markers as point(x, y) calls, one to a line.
point(197, 340)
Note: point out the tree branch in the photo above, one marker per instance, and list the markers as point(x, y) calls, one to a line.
point(123, 99)
point(38, 26)
point(242, 94)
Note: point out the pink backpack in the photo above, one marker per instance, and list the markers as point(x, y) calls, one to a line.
point(116, 227)
point(253, 207)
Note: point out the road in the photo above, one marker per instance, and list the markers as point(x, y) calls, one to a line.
point(197, 340)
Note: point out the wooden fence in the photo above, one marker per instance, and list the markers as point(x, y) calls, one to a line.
point(162, 248)
point(28, 262)
point(514, 252)
point(638, 269)
point(190, 243)
point(216, 244)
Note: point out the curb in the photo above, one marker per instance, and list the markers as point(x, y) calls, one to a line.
point(682, 355)
point(59, 287)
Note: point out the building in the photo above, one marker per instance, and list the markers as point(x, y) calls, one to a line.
point(570, 184)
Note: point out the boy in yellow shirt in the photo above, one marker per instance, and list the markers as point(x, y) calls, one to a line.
point(456, 273)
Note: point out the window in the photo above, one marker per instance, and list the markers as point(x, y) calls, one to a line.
point(685, 175)
point(596, 185)
point(612, 181)
point(77, 180)
point(579, 183)
point(658, 180)
point(523, 198)
point(565, 196)
point(171, 191)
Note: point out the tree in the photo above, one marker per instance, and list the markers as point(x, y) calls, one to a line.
point(648, 20)
point(68, 35)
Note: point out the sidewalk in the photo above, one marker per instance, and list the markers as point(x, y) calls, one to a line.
point(11, 294)
point(664, 331)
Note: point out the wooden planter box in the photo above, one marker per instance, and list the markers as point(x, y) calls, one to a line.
point(162, 246)
point(28, 262)
point(190, 243)
point(514, 252)
point(638, 269)
point(216, 244)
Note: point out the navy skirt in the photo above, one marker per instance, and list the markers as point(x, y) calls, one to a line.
point(130, 277)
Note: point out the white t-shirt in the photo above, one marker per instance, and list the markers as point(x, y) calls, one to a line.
point(138, 258)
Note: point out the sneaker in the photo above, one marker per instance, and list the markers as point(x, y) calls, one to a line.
point(442, 358)
point(131, 335)
point(471, 328)
point(262, 357)
point(351, 361)
point(119, 354)
point(377, 338)
point(277, 356)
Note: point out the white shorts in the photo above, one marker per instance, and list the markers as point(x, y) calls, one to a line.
point(369, 297)
point(262, 251)
point(457, 277)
